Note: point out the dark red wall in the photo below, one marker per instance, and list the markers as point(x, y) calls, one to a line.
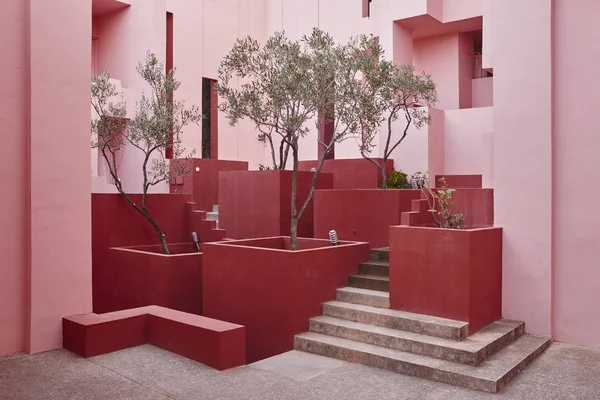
point(460, 181)
point(477, 206)
point(274, 293)
point(256, 204)
point(362, 215)
point(447, 273)
point(140, 276)
point(352, 173)
point(116, 224)
point(204, 184)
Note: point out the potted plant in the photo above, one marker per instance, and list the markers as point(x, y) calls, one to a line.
point(396, 91)
point(444, 267)
point(273, 285)
point(146, 274)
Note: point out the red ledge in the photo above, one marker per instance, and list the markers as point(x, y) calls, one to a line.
point(215, 343)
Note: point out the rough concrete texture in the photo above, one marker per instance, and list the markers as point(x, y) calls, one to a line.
point(145, 372)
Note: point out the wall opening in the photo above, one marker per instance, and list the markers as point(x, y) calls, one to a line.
point(210, 114)
point(169, 67)
point(478, 71)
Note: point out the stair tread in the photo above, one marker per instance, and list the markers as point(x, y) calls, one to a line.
point(367, 292)
point(378, 263)
point(492, 369)
point(372, 277)
point(471, 344)
point(400, 314)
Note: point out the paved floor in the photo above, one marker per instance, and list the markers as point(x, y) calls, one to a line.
point(146, 372)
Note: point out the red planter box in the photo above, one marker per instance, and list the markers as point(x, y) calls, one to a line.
point(203, 184)
point(271, 290)
point(258, 203)
point(353, 173)
point(142, 276)
point(361, 215)
point(447, 273)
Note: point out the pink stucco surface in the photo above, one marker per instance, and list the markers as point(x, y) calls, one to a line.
point(483, 92)
point(576, 144)
point(523, 157)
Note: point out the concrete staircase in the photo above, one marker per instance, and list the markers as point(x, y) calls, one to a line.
point(214, 215)
point(359, 327)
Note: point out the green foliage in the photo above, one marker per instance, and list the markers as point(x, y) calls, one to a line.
point(440, 202)
point(397, 180)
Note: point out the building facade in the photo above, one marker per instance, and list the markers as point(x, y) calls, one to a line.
point(516, 105)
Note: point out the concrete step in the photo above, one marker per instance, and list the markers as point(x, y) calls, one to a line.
point(373, 282)
point(373, 298)
point(410, 322)
point(379, 268)
point(381, 254)
point(216, 208)
point(472, 350)
point(490, 376)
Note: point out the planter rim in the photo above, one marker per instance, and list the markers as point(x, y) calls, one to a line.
point(236, 243)
point(135, 249)
point(432, 228)
point(367, 190)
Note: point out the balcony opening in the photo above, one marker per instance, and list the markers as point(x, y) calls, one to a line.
point(210, 113)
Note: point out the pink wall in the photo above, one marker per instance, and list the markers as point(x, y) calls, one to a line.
point(483, 92)
point(439, 56)
point(576, 143)
point(469, 143)
point(523, 147)
point(13, 186)
point(466, 62)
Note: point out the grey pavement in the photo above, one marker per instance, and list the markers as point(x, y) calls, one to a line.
point(146, 372)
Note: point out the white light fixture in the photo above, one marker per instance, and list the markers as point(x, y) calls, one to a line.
point(197, 169)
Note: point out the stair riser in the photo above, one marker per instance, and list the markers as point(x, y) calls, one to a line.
point(394, 322)
point(402, 367)
point(365, 283)
point(359, 298)
point(378, 255)
point(373, 269)
point(425, 349)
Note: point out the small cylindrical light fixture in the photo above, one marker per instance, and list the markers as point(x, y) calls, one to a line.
point(333, 237)
point(195, 240)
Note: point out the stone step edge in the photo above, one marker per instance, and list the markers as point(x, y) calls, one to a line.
point(471, 350)
point(417, 323)
point(471, 377)
point(367, 297)
point(371, 277)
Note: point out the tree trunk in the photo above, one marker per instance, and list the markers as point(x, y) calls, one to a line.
point(383, 175)
point(295, 217)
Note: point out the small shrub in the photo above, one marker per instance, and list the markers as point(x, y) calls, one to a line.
point(440, 202)
point(397, 180)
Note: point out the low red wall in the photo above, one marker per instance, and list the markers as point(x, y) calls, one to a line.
point(141, 276)
point(460, 181)
point(255, 204)
point(271, 291)
point(448, 273)
point(357, 173)
point(203, 185)
point(477, 206)
point(218, 344)
point(116, 224)
point(361, 215)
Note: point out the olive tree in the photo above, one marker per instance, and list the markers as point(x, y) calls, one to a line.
point(157, 125)
point(285, 86)
point(399, 92)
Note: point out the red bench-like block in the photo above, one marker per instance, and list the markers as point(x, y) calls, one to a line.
point(215, 343)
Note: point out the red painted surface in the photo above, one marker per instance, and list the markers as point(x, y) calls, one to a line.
point(256, 204)
point(460, 181)
point(361, 215)
point(477, 206)
point(356, 173)
point(141, 276)
point(218, 344)
point(271, 291)
point(203, 185)
point(447, 273)
point(366, 8)
point(116, 272)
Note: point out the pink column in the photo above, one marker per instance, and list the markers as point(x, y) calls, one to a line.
point(58, 172)
point(523, 156)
